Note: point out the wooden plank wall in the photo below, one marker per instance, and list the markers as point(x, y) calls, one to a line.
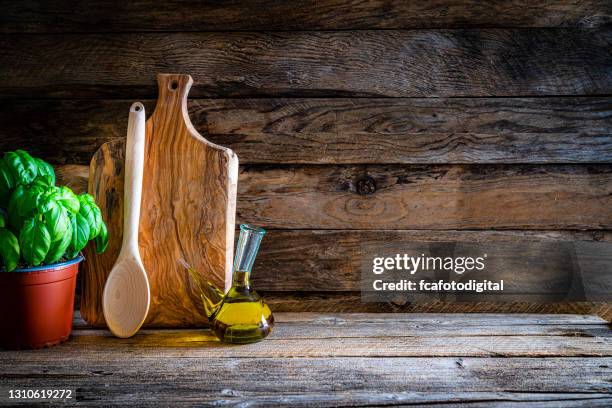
point(404, 120)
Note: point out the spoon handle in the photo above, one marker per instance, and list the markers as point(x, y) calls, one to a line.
point(134, 162)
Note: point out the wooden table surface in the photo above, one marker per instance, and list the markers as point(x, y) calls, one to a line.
point(336, 360)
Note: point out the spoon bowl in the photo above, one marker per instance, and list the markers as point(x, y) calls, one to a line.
point(126, 297)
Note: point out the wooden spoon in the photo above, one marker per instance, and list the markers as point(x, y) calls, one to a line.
point(127, 295)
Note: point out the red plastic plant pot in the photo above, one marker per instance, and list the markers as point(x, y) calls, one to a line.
point(36, 305)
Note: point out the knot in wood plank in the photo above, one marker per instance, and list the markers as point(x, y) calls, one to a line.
point(366, 185)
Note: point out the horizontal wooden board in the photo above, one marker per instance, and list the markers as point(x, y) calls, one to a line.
point(374, 336)
point(338, 130)
point(204, 345)
point(486, 335)
point(432, 63)
point(542, 321)
point(295, 324)
point(350, 302)
point(157, 379)
point(41, 16)
point(355, 360)
point(421, 197)
point(558, 324)
point(159, 392)
point(332, 260)
point(427, 197)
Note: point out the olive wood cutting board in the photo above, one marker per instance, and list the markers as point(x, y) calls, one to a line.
point(187, 212)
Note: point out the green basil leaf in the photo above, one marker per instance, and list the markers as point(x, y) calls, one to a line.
point(41, 181)
point(59, 247)
point(34, 241)
point(45, 172)
point(80, 235)
point(29, 163)
point(102, 239)
point(30, 202)
point(2, 220)
point(90, 211)
point(87, 198)
point(9, 249)
point(6, 183)
point(15, 219)
point(68, 199)
point(57, 221)
point(22, 166)
point(49, 199)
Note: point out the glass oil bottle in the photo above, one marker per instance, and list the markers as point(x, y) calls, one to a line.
point(241, 316)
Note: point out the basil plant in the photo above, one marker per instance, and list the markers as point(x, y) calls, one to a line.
point(41, 223)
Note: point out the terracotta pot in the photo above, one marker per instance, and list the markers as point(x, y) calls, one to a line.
point(36, 305)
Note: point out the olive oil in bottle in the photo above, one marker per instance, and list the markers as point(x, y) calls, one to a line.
point(243, 316)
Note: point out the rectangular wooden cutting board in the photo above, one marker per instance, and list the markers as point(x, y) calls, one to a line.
point(187, 212)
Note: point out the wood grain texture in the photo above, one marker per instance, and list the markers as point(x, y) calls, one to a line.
point(360, 360)
point(188, 210)
point(350, 302)
point(323, 260)
point(109, 194)
point(426, 197)
point(432, 63)
point(339, 130)
point(76, 176)
point(432, 323)
point(366, 339)
point(203, 345)
point(37, 16)
point(167, 380)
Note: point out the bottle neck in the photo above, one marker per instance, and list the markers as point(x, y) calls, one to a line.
point(241, 279)
point(246, 252)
